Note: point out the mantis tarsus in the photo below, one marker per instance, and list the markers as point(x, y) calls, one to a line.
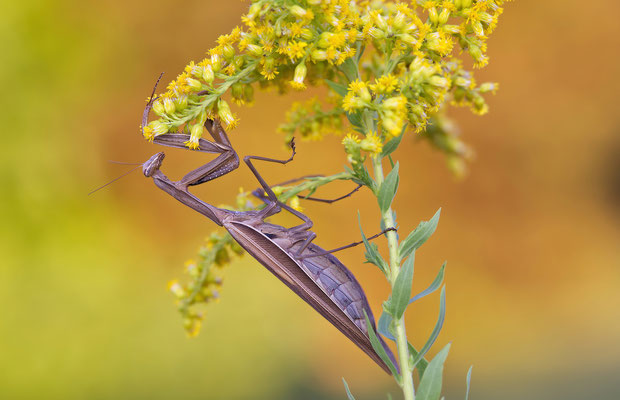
point(312, 273)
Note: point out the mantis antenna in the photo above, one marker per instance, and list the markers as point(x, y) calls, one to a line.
point(115, 179)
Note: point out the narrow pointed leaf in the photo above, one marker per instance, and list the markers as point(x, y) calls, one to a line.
point(422, 363)
point(388, 189)
point(437, 329)
point(433, 286)
point(468, 382)
point(402, 288)
point(430, 384)
point(337, 87)
point(376, 344)
point(383, 326)
point(372, 251)
point(346, 387)
point(349, 67)
point(393, 144)
point(356, 120)
point(418, 236)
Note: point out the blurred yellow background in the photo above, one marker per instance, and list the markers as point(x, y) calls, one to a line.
point(531, 235)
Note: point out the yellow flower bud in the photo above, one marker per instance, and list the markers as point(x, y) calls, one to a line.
point(407, 38)
point(295, 204)
point(376, 33)
point(394, 103)
point(298, 11)
point(254, 10)
point(228, 51)
point(307, 34)
point(223, 111)
point(379, 21)
point(158, 108)
point(194, 84)
point(439, 81)
point(169, 106)
point(277, 190)
point(248, 93)
point(208, 75)
point(398, 22)
point(202, 118)
point(478, 29)
point(176, 288)
point(299, 76)
point(318, 55)
point(432, 15)
point(157, 127)
point(443, 16)
point(255, 50)
point(181, 102)
point(488, 87)
point(216, 63)
point(237, 90)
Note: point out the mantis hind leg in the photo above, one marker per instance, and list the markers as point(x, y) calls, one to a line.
point(272, 203)
point(345, 247)
point(260, 193)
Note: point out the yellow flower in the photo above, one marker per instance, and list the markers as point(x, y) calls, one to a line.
point(269, 70)
point(372, 143)
point(175, 287)
point(295, 49)
point(360, 88)
point(224, 113)
point(299, 76)
point(385, 84)
point(350, 102)
point(294, 203)
point(196, 132)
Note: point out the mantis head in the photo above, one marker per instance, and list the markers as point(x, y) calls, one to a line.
point(153, 164)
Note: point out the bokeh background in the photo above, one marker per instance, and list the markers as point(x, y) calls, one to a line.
point(531, 235)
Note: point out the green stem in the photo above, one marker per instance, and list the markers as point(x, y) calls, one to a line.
point(400, 333)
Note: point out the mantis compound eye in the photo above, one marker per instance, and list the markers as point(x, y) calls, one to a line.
point(153, 164)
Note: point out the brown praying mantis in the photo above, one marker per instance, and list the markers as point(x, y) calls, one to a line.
point(314, 274)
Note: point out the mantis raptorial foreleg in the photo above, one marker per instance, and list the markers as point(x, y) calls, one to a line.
point(226, 162)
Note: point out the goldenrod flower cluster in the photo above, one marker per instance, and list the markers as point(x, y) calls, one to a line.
point(311, 121)
point(205, 279)
point(392, 62)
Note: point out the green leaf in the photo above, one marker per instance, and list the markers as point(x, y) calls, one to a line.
point(372, 251)
point(346, 387)
point(434, 286)
point(337, 87)
point(402, 288)
point(437, 329)
point(419, 236)
point(349, 67)
point(376, 344)
point(388, 189)
point(359, 51)
point(468, 382)
point(356, 120)
point(422, 363)
point(389, 396)
point(430, 384)
point(392, 145)
point(383, 326)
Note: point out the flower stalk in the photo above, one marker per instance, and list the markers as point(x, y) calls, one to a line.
point(400, 332)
